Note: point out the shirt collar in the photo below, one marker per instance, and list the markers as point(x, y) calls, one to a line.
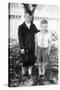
point(28, 25)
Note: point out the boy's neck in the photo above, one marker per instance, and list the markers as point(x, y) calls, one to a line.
point(43, 31)
point(27, 22)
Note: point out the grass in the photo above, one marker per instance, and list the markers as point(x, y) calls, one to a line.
point(15, 74)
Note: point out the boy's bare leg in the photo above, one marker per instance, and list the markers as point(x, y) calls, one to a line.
point(45, 60)
point(39, 68)
point(43, 69)
point(29, 70)
point(23, 70)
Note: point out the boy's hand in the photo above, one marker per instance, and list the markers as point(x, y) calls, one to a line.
point(49, 50)
point(22, 51)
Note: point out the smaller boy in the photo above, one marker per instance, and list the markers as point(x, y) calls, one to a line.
point(43, 39)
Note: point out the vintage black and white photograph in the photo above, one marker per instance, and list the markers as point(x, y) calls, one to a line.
point(32, 44)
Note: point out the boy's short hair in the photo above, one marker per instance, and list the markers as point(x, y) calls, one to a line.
point(44, 21)
point(29, 12)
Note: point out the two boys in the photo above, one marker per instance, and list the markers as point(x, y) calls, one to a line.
point(26, 35)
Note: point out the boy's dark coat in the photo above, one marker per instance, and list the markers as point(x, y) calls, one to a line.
point(27, 42)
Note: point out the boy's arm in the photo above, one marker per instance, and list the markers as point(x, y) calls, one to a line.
point(49, 42)
point(36, 42)
point(49, 48)
point(20, 39)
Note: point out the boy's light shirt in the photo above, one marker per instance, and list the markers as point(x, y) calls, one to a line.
point(28, 25)
point(43, 39)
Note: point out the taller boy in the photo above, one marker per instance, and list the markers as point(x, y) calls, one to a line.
point(26, 35)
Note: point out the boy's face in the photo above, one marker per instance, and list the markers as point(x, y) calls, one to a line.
point(44, 26)
point(28, 18)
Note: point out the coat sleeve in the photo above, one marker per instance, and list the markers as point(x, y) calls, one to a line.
point(36, 44)
point(35, 29)
point(20, 37)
